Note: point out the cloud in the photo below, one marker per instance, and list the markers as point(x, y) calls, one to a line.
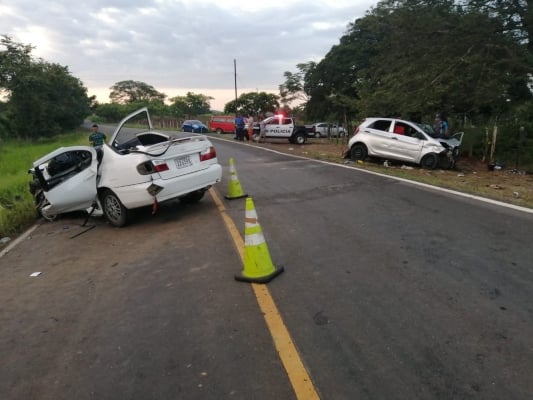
point(180, 45)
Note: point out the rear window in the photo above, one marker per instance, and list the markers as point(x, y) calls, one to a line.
point(380, 124)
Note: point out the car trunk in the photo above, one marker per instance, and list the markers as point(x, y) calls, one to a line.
point(179, 156)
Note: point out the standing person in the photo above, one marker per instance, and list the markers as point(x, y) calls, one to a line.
point(444, 126)
point(262, 131)
point(440, 126)
point(250, 127)
point(239, 127)
point(97, 139)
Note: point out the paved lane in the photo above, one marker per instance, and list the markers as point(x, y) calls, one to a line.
point(395, 291)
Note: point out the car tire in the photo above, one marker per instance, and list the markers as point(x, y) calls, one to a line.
point(299, 138)
point(219, 131)
point(358, 152)
point(445, 162)
point(193, 197)
point(317, 135)
point(430, 161)
point(113, 209)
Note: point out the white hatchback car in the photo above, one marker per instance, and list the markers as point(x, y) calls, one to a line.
point(139, 167)
point(407, 141)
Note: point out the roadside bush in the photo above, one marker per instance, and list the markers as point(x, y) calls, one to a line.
point(513, 145)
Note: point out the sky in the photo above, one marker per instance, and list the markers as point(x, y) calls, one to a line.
point(180, 46)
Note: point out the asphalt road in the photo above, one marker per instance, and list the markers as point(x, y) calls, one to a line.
point(390, 291)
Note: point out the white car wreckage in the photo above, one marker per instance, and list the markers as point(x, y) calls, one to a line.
point(139, 167)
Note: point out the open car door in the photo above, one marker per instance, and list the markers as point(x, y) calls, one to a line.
point(67, 177)
point(127, 131)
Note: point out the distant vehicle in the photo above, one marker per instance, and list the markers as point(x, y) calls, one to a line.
point(321, 129)
point(222, 124)
point(193, 125)
point(281, 127)
point(401, 140)
point(140, 167)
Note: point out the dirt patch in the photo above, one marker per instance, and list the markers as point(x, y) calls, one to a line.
point(469, 176)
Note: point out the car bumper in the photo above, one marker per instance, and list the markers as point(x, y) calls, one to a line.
point(136, 196)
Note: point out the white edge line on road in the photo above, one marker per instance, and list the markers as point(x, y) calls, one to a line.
point(425, 185)
point(15, 242)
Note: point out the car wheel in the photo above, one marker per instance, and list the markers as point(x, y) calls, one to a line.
point(193, 197)
point(446, 162)
point(358, 152)
point(299, 138)
point(318, 135)
point(256, 137)
point(219, 131)
point(430, 161)
point(113, 209)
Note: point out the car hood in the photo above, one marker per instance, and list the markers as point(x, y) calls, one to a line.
point(453, 141)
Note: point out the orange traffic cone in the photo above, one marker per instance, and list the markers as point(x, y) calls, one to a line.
point(234, 186)
point(258, 265)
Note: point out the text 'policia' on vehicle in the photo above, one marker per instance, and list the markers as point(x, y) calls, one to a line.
point(139, 167)
point(280, 127)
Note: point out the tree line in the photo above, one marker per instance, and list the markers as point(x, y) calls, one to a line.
point(44, 99)
point(416, 57)
point(469, 60)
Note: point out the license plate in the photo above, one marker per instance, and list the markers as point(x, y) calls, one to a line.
point(183, 162)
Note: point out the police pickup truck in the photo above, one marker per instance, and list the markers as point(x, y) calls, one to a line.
point(281, 127)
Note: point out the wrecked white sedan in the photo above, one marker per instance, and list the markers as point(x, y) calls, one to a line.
point(139, 167)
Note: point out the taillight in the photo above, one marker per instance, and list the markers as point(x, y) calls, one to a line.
point(150, 167)
point(160, 165)
point(208, 154)
point(356, 130)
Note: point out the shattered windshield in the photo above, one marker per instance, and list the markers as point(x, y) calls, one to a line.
point(428, 129)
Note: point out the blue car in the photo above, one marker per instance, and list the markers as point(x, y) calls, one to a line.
point(193, 125)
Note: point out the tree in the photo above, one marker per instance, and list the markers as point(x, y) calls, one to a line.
point(421, 57)
point(293, 89)
point(47, 100)
point(43, 99)
point(13, 60)
point(253, 103)
point(190, 104)
point(125, 92)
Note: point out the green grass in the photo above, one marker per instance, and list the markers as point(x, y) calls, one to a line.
point(16, 157)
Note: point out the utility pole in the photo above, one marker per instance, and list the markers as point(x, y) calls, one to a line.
point(235, 75)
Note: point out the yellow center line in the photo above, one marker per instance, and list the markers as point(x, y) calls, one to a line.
point(298, 376)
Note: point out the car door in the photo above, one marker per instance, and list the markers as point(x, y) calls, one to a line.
point(378, 137)
point(406, 144)
point(273, 127)
point(68, 178)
